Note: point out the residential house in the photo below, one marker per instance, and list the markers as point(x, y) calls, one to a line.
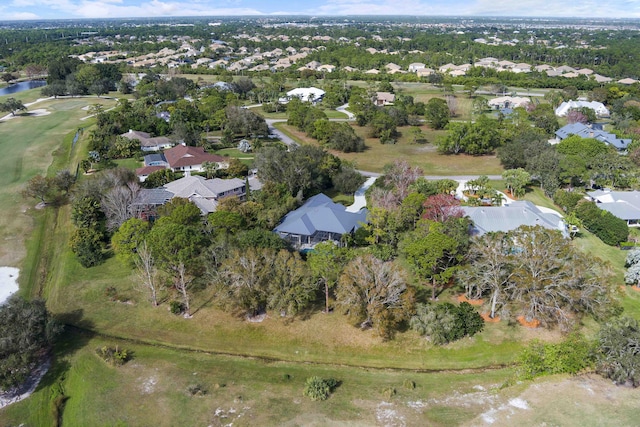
point(487, 219)
point(144, 172)
point(327, 68)
point(597, 107)
point(383, 98)
point(183, 158)
point(627, 81)
point(585, 131)
point(319, 220)
point(206, 193)
point(391, 67)
point(508, 102)
point(622, 204)
point(147, 142)
point(372, 71)
point(307, 94)
point(415, 66)
point(148, 200)
point(521, 67)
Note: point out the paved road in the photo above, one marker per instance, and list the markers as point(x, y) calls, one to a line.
point(284, 138)
point(343, 110)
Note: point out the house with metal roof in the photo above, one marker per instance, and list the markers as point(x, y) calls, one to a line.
point(487, 219)
point(585, 131)
point(598, 107)
point(319, 219)
point(308, 94)
point(622, 204)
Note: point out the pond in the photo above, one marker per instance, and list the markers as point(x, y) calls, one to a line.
point(22, 86)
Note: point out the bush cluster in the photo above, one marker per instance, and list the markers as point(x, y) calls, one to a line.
point(444, 323)
point(610, 229)
point(316, 388)
point(571, 356)
point(113, 355)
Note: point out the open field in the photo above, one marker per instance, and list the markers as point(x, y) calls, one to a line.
point(376, 155)
point(151, 389)
point(28, 144)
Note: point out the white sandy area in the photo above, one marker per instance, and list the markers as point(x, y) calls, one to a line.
point(8, 282)
point(39, 112)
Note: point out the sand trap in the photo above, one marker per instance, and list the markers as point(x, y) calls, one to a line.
point(8, 282)
point(39, 112)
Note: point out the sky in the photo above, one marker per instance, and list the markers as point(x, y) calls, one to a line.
point(77, 9)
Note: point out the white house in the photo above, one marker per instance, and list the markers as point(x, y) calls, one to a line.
point(308, 94)
point(598, 107)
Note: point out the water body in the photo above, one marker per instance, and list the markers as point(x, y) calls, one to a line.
point(8, 283)
point(22, 86)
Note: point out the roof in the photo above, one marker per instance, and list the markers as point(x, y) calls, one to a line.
point(623, 204)
point(320, 213)
point(183, 155)
point(148, 170)
point(386, 97)
point(505, 218)
point(199, 186)
point(145, 139)
point(153, 196)
point(585, 131)
point(512, 101)
point(598, 107)
point(305, 93)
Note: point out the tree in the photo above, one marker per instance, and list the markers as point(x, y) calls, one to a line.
point(441, 207)
point(316, 388)
point(7, 77)
point(487, 270)
point(618, 353)
point(609, 228)
point(39, 187)
point(116, 204)
point(326, 261)
point(147, 272)
point(374, 294)
point(399, 176)
point(433, 254)
point(290, 289)
point(348, 180)
point(176, 247)
point(437, 113)
point(27, 330)
point(243, 280)
point(88, 245)
point(516, 180)
point(551, 281)
point(12, 105)
point(130, 235)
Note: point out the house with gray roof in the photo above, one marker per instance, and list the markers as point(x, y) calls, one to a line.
point(585, 131)
point(622, 204)
point(147, 142)
point(204, 193)
point(487, 219)
point(319, 220)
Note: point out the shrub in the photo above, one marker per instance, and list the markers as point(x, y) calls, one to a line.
point(610, 229)
point(571, 356)
point(196, 390)
point(113, 355)
point(389, 392)
point(409, 384)
point(618, 352)
point(176, 307)
point(443, 323)
point(317, 388)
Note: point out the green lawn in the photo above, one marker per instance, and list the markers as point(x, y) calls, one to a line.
point(246, 158)
point(28, 143)
point(151, 389)
point(377, 155)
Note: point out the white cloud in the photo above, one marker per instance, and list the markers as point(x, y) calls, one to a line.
point(19, 16)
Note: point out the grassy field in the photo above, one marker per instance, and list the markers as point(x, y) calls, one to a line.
point(28, 143)
point(246, 158)
point(376, 155)
point(151, 389)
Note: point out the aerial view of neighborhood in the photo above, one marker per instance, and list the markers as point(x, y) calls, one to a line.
point(344, 213)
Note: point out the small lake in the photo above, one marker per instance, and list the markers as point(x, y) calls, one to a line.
point(19, 87)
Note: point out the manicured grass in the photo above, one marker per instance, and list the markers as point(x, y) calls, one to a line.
point(151, 389)
point(27, 143)
point(536, 195)
point(246, 158)
point(426, 156)
point(132, 163)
